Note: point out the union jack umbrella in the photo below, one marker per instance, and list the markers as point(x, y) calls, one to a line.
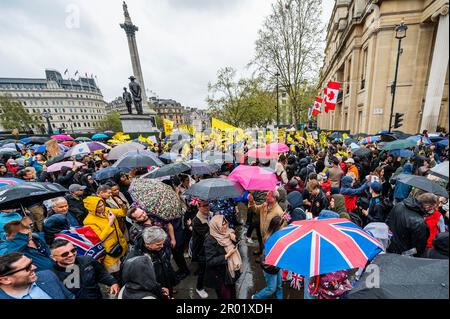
point(315, 247)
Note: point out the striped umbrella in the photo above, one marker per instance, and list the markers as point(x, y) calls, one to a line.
point(321, 246)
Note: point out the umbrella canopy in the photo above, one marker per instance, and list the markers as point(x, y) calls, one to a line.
point(58, 166)
point(7, 141)
point(62, 137)
point(254, 178)
point(399, 145)
point(83, 139)
point(423, 183)
point(349, 141)
point(108, 172)
point(354, 146)
point(35, 140)
point(9, 152)
point(370, 139)
point(10, 181)
point(215, 188)
point(262, 153)
point(440, 170)
point(119, 150)
point(362, 151)
point(403, 277)
point(388, 138)
point(401, 135)
point(156, 198)
point(138, 159)
point(443, 142)
point(28, 194)
point(320, 246)
point(168, 170)
point(14, 145)
point(43, 148)
point(277, 147)
point(86, 148)
point(402, 153)
point(416, 138)
point(56, 159)
point(170, 157)
point(99, 136)
point(216, 157)
point(200, 168)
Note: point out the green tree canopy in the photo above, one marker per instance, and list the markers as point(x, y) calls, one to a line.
point(111, 122)
point(14, 116)
point(240, 102)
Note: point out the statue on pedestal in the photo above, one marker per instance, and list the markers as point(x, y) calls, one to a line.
point(135, 89)
point(128, 100)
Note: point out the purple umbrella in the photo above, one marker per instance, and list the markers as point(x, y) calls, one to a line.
point(58, 166)
point(86, 148)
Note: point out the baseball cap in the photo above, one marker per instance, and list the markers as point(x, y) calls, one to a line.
point(376, 186)
point(350, 160)
point(76, 187)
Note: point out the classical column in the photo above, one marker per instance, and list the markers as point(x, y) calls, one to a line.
point(130, 30)
point(438, 72)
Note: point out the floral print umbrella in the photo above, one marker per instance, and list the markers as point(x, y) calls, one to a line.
point(156, 198)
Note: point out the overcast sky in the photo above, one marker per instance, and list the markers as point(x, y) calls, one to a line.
point(182, 43)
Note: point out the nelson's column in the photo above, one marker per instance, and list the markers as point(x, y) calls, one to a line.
point(136, 122)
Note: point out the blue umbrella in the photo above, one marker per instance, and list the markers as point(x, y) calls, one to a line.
point(443, 143)
point(383, 132)
point(402, 153)
point(99, 136)
point(13, 145)
point(43, 148)
point(417, 138)
point(369, 139)
point(109, 172)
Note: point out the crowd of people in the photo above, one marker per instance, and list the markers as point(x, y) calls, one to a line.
point(39, 261)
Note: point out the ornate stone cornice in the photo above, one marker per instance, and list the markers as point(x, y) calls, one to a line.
point(443, 11)
point(130, 29)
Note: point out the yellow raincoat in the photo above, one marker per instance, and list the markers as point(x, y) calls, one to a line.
point(106, 233)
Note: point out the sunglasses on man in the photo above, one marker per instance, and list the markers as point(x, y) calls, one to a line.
point(27, 268)
point(65, 254)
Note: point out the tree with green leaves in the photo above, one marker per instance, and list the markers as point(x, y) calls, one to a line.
point(290, 43)
point(111, 122)
point(13, 115)
point(240, 102)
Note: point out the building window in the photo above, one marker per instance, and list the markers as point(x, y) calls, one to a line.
point(349, 69)
point(364, 69)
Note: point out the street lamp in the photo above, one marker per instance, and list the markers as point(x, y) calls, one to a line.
point(47, 116)
point(400, 33)
point(278, 101)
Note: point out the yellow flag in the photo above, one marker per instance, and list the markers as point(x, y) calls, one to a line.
point(218, 124)
point(168, 126)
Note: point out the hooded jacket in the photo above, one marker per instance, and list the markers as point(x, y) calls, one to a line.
point(295, 200)
point(139, 277)
point(407, 224)
point(440, 247)
point(339, 204)
point(53, 225)
point(401, 190)
point(106, 233)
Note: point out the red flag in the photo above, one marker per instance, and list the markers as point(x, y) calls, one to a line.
point(316, 106)
point(330, 96)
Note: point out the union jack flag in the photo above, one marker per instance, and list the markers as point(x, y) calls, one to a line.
point(315, 247)
point(85, 240)
point(297, 281)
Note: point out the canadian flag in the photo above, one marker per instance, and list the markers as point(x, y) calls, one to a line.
point(330, 95)
point(316, 106)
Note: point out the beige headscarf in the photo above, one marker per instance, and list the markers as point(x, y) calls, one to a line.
point(234, 261)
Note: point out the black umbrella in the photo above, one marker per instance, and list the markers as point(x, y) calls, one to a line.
point(387, 138)
point(441, 170)
point(36, 140)
point(109, 172)
point(8, 141)
point(349, 141)
point(28, 194)
point(7, 152)
point(423, 183)
point(215, 188)
point(168, 170)
point(393, 276)
point(201, 168)
point(58, 158)
point(138, 159)
point(362, 151)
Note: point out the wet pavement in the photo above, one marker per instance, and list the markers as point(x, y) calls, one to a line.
point(251, 279)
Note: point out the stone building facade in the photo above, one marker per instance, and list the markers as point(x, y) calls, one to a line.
point(75, 106)
point(361, 54)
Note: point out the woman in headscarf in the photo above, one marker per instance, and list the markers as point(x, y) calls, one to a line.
point(138, 276)
point(337, 204)
point(223, 261)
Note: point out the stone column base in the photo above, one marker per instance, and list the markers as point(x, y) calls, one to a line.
point(133, 123)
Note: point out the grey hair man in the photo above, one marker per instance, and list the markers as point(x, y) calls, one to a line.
point(59, 205)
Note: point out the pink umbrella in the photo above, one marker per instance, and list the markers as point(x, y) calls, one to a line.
point(277, 147)
point(57, 166)
point(62, 137)
point(262, 153)
point(254, 178)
